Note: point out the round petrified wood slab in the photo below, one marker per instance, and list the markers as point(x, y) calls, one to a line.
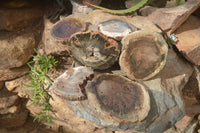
point(118, 98)
point(94, 50)
point(63, 29)
point(116, 29)
point(143, 54)
point(71, 84)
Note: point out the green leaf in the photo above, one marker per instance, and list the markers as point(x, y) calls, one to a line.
point(179, 2)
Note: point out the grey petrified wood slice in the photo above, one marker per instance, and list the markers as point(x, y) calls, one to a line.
point(71, 84)
point(116, 28)
point(94, 50)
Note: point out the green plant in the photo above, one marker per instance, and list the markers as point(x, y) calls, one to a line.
point(39, 84)
point(137, 4)
point(179, 2)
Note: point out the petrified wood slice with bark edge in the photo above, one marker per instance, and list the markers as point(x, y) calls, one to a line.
point(118, 98)
point(143, 54)
point(71, 84)
point(94, 50)
point(116, 29)
point(63, 29)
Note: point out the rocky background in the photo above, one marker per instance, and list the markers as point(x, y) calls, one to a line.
point(25, 25)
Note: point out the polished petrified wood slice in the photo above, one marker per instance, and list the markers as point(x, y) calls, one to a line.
point(118, 98)
point(63, 29)
point(94, 49)
point(143, 54)
point(71, 84)
point(116, 29)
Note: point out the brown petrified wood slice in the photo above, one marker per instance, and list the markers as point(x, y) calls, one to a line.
point(71, 84)
point(63, 29)
point(188, 35)
point(116, 29)
point(143, 54)
point(118, 98)
point(94, 49)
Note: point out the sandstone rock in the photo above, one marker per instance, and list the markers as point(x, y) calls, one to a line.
point(2, 84)
point(192, 127)
point(17, 47)
point(8, 99)
point(64, 116)
point(9, 74)
point(13, 120)
point(184, 123)
point(189, 43)
point(169, 19)
point(10, 110)
point(28, 127)
point(17, 87)
point(128, 131)
point(13, 18)
point(191, 93)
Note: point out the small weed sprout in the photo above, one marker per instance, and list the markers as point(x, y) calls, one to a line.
point(39, 84)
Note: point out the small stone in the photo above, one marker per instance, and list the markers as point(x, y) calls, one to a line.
point(10, 110)
point(184, 122)
point(188, 35)
point(17, 87)
point(8, 99)
point(9, 74)
point(169, 19)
